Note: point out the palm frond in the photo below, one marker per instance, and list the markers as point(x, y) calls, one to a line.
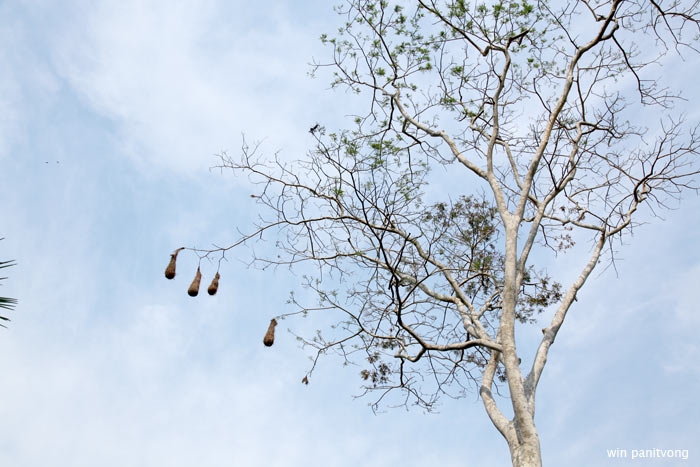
point(6, 264)
point(5, 302)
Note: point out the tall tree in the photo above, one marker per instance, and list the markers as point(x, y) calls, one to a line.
point(494, 133)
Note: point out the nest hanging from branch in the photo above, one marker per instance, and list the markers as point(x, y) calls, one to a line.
point(214, 286)
point(170, 269)
point(269, 338)
point(194, 286)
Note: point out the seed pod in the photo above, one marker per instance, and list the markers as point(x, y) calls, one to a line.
point(170, 270)
point(214, 286)
point(194, 286)
point(270, 334)
point(305, 380)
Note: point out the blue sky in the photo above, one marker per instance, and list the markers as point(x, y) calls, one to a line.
point(111, 115)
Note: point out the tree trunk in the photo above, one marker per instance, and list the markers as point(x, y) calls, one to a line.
point(527, 453)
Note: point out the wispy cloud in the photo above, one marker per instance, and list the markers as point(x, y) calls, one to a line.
point(183, 82)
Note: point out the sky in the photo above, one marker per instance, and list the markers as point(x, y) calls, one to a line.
point(111, 114)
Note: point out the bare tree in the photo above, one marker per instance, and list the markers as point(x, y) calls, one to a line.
point(544, 127)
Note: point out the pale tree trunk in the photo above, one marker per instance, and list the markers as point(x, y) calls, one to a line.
point(525, 450)
point(524, 444)
point(523, 441)
point(520, 433)
point(527, 455)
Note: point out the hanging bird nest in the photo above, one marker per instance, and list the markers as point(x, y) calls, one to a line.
point(214, 286)
point(170, 270)
point(194, 286)
point(269, 338)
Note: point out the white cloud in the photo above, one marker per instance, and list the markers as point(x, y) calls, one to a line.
point(183, 82)
point(24, 73)
point(144, 389)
